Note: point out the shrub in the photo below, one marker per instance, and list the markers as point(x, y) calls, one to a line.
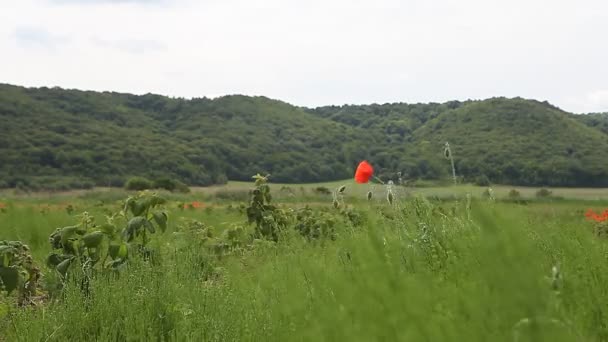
point(543, 193)
point(165, 183)
point(181, 187)
point(138, 183)
point(221, 179)
point(514, 194)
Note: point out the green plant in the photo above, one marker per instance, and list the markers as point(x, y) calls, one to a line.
point(87, 244)
point(164, 183)
point(482, 180)
point(18, 272)
point(314, 224)
point(269, 220)
point(447, 153)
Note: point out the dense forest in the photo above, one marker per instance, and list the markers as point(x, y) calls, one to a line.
point(59, 139)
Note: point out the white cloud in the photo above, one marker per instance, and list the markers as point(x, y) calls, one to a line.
point(34, 37)
point(137, 46)
point(318, 51)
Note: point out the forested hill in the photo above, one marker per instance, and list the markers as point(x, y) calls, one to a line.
point(56, 138)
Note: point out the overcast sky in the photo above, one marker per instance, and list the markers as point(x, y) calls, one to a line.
point(314, 52)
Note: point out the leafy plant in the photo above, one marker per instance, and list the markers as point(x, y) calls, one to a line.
point(87, 244)
point(18, 272)
point(268, 219)
point(314, 225)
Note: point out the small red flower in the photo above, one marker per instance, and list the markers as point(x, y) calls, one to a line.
point(364, 172)
point(197, 205)
point(592, 215)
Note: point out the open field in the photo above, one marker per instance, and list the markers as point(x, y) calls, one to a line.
point(439, 270)
point(354, 191)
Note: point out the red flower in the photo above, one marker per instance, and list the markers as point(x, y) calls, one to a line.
point(592, 215)
point(364, 172)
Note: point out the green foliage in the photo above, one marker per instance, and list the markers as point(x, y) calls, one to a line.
point(91, 246)
point(138, 183)
point(514, 194)
point(170, 185)
point(18, 272)
point(269, 220)
point(314, 224)
point(46, 135)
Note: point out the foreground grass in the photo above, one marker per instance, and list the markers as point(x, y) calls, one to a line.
point(415, 272)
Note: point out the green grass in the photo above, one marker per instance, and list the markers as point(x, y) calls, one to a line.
point(419, 271)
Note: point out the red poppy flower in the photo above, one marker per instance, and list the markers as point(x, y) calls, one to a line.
point(364, 172)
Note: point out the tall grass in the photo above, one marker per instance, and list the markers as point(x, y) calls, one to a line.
point(414, 272)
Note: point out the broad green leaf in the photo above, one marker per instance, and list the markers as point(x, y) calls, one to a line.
point(150, 226)
point(123, 251)
point(68, 232)
point(62, 268)
point(136, 223)
point(54, 259)
point(6, 260)
point(92, 240)
point(113, 250)
point(160, 217)
point(138, 208)
point(9, 276)
point(108, 229)
point(156, 200)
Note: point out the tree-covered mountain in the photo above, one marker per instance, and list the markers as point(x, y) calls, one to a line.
point(56, 138)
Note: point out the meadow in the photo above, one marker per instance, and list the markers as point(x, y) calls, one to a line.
point(437, 264)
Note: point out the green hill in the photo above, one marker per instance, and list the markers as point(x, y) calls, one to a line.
point(516, 141)
point(56, 138)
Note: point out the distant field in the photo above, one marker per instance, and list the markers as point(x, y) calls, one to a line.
point(352, 190)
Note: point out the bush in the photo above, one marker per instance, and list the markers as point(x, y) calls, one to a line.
point(181, 187)
point(514, 194)
point(221, 179)
point(543, 193)
point(165, 183)
point(138, 183)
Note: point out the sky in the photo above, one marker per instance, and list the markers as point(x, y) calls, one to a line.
point(314, 52)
